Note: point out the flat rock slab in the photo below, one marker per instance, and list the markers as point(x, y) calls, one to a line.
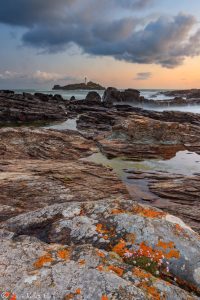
point(175, 193)
point(137, 137)
point(35, 143)
point(27, 185)
point(103, 250)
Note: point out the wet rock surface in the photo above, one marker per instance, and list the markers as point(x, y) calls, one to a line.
point(192, 93)
point(175, 193)
point(138, 137)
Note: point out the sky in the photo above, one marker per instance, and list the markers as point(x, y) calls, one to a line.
point(121, 43)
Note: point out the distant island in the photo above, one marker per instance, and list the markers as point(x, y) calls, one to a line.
point(80, 86)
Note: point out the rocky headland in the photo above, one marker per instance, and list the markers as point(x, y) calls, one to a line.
point(80, 86)
point(70, 228)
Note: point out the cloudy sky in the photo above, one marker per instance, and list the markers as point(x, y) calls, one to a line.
point(122, 43)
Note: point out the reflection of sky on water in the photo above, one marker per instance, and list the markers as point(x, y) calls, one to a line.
point(68, 124)
point(184, 162)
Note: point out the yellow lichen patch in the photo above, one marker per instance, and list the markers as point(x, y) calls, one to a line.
point(43, 260)
point(120, 248)
point(116, 270)
point(64, 254)
point(148, 212)
point(100, 254)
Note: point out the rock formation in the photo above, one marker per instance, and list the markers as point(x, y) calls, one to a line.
point(69, 228)
point(80, 86)
point(112, 95)
point(21, 108)
point(175, 193)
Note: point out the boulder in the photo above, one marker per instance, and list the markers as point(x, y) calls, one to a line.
point(99, 251)
point(130, 95)
point(93, 97)
point(112, 95)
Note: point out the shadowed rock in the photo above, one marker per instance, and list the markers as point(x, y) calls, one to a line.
point(21, 108)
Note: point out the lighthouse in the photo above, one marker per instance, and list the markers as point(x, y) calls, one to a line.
point(85, 80)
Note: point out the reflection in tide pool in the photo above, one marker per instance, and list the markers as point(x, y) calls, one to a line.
point(69, 124)
point(186, 163)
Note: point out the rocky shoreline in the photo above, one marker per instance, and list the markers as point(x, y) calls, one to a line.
point(70, 229)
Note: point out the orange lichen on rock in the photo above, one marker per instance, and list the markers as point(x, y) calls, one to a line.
point(64, 254)
point(153, 292)
point(100, 254)
point(168, 251)
point(69, 297)
point(116, 270)
point(43, 260)
point(148, 251)
point(141, 274)
point(81, 262)
point(104, 297)
point(99, 268)
point(78, 291)
point(146, 284)
point(178, 228)
point(72, 295)
point(100, 228)
point(173, 254)
point(120, 248)
point(164, 245)
point(148, 212)
point(117, 211)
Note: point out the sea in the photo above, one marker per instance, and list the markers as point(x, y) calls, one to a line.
point(147, 93)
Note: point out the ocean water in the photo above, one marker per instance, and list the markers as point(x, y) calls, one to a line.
point(149, 94)
point(81, 94)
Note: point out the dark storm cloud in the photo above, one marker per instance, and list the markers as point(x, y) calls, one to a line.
point(143, 76)
point(95, 26)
